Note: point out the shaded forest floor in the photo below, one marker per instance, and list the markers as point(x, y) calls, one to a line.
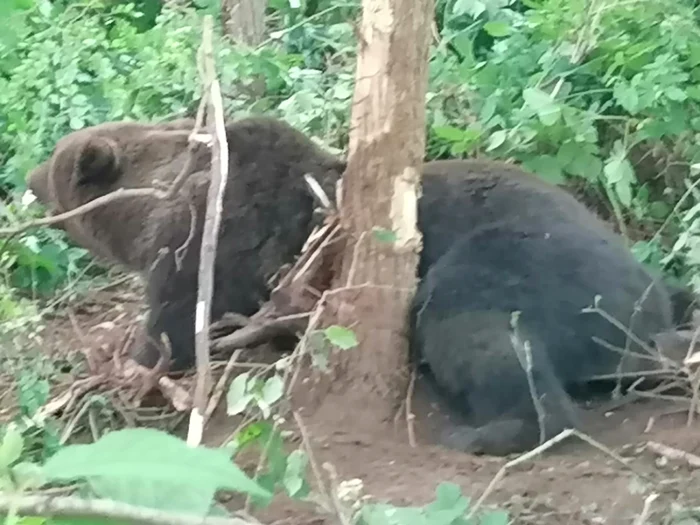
point(572, 484)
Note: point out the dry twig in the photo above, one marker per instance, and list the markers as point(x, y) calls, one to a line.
point(410, 417)
point(674, 453)
point(121, 193)
point(564, 434)
point(210, 236)
point(221, 385)
point(74, 507)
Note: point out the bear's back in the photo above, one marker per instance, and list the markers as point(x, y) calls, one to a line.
point(462, 195)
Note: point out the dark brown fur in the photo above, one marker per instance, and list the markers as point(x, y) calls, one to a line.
point(267, 213)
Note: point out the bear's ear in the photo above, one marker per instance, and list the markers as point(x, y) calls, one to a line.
point(98, 161)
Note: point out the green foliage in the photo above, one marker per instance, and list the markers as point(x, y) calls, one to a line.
point(341, 337)
point(281, 471)
point(142, 467)
point(577, 92)
point(245, 389)
point(40, 436)
point(151, 468)
point(72, 65)
point(449, 508)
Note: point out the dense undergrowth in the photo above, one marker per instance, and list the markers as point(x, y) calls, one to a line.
point(600, 95)
point(596, 94)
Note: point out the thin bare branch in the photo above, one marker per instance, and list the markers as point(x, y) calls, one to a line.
point(212, 221)
point(121, 193)
point(74, 507)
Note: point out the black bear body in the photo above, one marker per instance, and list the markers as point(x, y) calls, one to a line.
point(497, 241)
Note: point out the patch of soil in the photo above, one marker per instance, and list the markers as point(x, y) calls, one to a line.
point(573, 483)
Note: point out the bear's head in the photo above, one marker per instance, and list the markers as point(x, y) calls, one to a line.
point(95, 161)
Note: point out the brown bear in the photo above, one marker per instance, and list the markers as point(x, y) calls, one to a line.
point(497, 240)
point(266, 220)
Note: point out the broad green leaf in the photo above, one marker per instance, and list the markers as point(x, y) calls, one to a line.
point(676, 94)
point(586, 165)
point(273, 390)
point(11, 447)
point(548, 111)
point(33, 520)
point(10, 6)
point(295, 472)
point(28, 475)
point(618, 168)
point(342, 337)
point(237, 397)
point(497, 29)
point(623, 189)
point(568, 152)
point(451, 133)
point(447, 494)
point(264, 407)
point(150, 468)
point(497, 139)
point(448, 506)
point(547, 167)
point(626, 96)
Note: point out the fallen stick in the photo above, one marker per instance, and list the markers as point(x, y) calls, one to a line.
point(674, 453)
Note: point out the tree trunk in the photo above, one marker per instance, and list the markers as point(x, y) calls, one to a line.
point(372, 291)
point(244, 20)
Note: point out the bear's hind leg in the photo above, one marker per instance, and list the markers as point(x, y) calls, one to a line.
point(172, 298)
point(479, 370)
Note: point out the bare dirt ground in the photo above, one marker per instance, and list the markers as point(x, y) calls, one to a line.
point(572, 484)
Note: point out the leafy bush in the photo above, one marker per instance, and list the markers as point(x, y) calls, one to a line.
point(75, 65)
point(602, 97)
point(580, 92)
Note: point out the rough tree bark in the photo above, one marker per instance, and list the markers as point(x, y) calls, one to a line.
point(244, 20)
point(372, 291)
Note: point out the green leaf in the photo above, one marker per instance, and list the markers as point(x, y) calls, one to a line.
point(497, 139)
point(447, 493)
point(28, 475)
point(676, 94)
point(618, 168)
point(619, 174)
point(497, 29)
point(237, 397)
point(450, 133)
point(574, 158)
point(150, 468)
point(273, 390)
point(32, 520)
point(294, 474)
point(623, 189)
point(76, 123)
point(11, 447)
point(547, 167)
point(384, 235)
point(548, 111)
point(586, 165)
point(626, 96)
point(342, 337)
